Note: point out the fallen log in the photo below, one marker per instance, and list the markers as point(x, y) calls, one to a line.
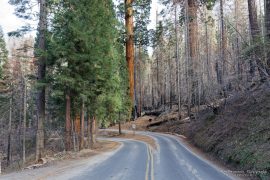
point(183, 121)
point(153, 113)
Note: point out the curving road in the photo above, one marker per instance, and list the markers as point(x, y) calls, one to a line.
point(134, 160)
point(137, 161)
point(174, 161)
point(128, 163)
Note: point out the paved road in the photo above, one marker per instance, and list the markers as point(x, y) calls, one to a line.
point(134, 160)
point(174, 161)
point(128, 163)
point(137, 161)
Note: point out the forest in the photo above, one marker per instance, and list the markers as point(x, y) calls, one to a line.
point(99, 63)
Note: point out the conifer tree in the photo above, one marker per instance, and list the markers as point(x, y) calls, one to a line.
point(3, 51)
point(85, 59)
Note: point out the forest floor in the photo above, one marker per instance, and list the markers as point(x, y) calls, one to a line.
point(135, 136)
point(238, 136)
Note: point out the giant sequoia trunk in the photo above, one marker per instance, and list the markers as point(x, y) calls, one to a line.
point(267, 27)
point(41, 77)
point(256, 38)
point(130, 48)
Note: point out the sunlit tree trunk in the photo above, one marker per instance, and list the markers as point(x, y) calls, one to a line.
point(130, 49)
point(191, 49)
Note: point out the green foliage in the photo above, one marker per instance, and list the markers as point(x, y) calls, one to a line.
point(85, 58)
point(3, 52)
point(141, 13)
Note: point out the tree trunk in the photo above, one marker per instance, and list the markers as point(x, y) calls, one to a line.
point(178, 61)
point(191, 50)
point(130, 49)
point(73, 135)
point(9, 132)
point(158, 83)
point(82, 127)
point(24, 118)
point(256, 38)
point(140, 81)
point(93, 131)
point(88, 130)
point(267, 33)
point(68, 123)
point(77, 125)
point(152, 87)
point(237, 43)
point(170, 78)
point(41, 77)
point(119, 123)
point(223, 45)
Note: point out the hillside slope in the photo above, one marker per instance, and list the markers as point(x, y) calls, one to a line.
point(239, 135)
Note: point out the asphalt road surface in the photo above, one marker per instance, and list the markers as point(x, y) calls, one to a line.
point(138, 161)
point(133, 160)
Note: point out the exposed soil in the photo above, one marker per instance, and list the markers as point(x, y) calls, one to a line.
point(140, 123)
point(138, 137)
point(68, 157)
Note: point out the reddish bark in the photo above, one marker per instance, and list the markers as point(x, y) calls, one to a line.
point(82, 127)
point(130, 46)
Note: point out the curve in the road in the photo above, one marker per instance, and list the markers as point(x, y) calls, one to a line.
point(131, 162)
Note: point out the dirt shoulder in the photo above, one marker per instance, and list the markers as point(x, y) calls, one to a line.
point(136, 136)
point(65, 161)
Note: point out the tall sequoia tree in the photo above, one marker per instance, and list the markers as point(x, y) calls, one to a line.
point(130, 49)
point(192, 25)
